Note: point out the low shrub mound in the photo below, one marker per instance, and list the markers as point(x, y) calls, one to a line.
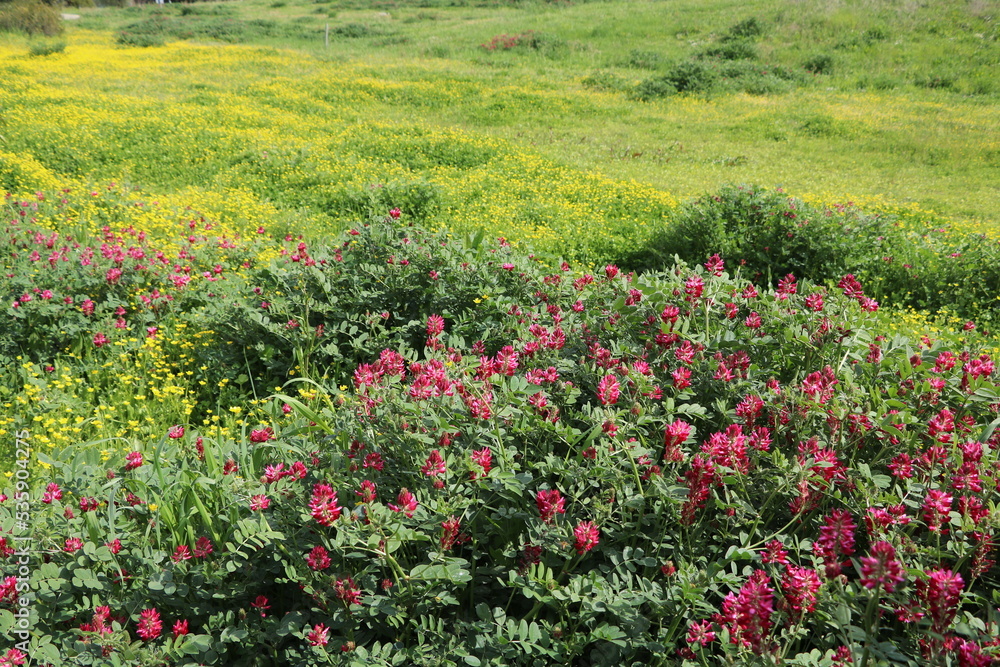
point(903, 261)
point(516, 463)
point(30, 17)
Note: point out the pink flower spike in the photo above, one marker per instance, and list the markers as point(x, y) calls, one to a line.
point(587, 536)
point(150, 625)
point(259, 502)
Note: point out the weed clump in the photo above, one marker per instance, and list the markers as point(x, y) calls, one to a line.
point(30, 17)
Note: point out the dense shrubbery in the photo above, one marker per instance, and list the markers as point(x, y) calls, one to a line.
point(31, 17)
point(903, 262)
point(483, 460)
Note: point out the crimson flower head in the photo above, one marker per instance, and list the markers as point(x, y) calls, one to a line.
point(434, 465)
point(318, 558)
point(881, 568)
point(203, 547)
point(182, 552)
point(347, 591)
point(449, 533)
point(550, 502)
point(435, 325)
point(800, 586)
point(259, 502)
point(836, 539)
point(262, 434)
point(939, 594)
point(587, 536)
point(407, 503)
point(937, 508)
point(52, 492)
point(180, 628)
point(484, 459)
point(150, 625)
point(323, 506)
point(608, 390)
point(319, 635)
point(715, 265)
point(747, 614)
point(100, 340)
point(73, 544)
point(700, 633)
point(133, 460)
point(367, 491)
point(176, 432)
point(12, 657)
point(261, 603)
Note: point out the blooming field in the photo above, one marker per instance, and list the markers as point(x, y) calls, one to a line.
point(293, 375)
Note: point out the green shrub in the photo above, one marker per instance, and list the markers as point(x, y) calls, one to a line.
point(737, 49)
point(141, 40)
point(609, 82)
point(47, 48)
point(746, 29)
point(31, 17)
point(820, 63)
point(639, 59)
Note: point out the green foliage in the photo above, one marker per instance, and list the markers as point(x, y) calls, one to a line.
point(47, 48)
point(904, 261)
point(820, 63)
point(597, 463)
point(31, 17)
point(216, 23)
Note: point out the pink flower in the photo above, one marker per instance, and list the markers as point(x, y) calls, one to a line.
point(611, 271)
point(587, 536)
point(319, 635)
point(133, 460)
point(115, 545)
point(182, 552)
point(395, 213)
point(261, 434)
point(323, 505)
point(180, 628)
point(259, 502)
point(261, 602)
point(318, 558)
point(881, 568)
point(100, 340)
point(676, 434)
point(347, 591)
point(176, 432)
point(13, 657)
point(700, 478)
point(748, 613)
point(407, 503)
point(203, 547)
point(73, 544)
point(608, 390)
point(434, 465)
point(449, 533)
point(715, 265)
point(435, 326)
point(937, 508)
point(367, 491)
point(800, 586)
point(484, 459)
point(550, 502)
point(52, 492)
point(836, 539)
point(939, 593)
point(150, 625)
point(700, 632)
point(775, 553)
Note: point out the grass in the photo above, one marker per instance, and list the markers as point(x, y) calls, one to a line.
point(908, 111)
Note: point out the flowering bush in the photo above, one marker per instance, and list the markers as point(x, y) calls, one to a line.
point(521, 464)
